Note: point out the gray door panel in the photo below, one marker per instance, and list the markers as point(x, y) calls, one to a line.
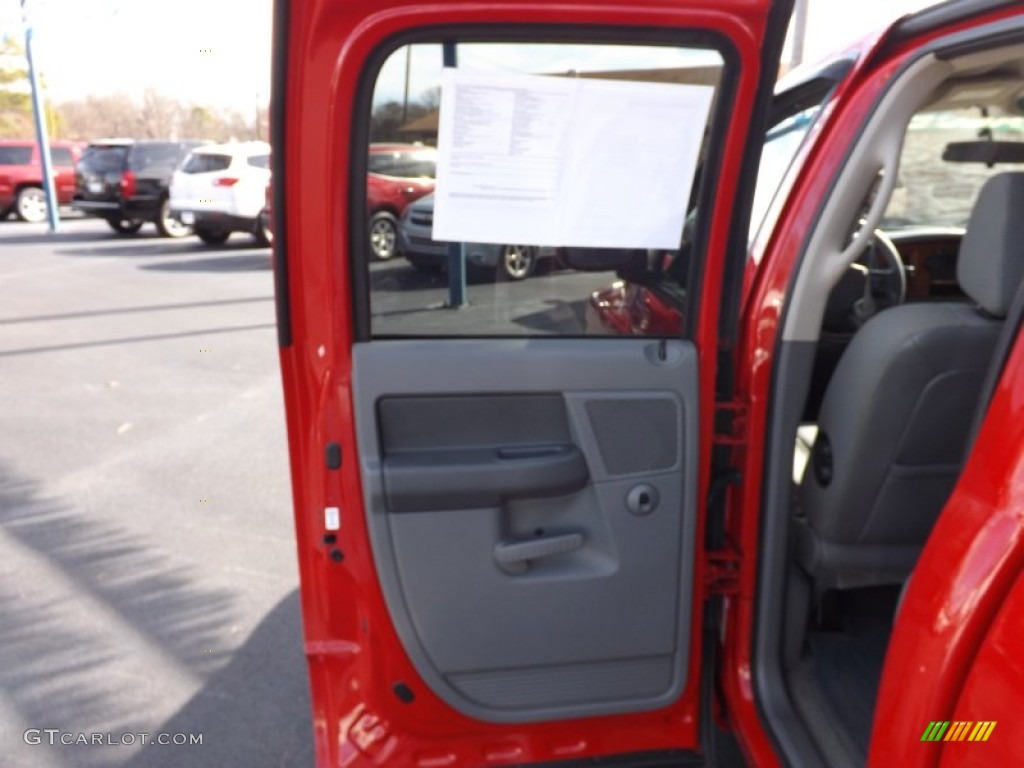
point(459, 452)
point(531, 509)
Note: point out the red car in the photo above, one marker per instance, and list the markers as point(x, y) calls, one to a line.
point(21, 177)
point(772, 517)
point(397, 175)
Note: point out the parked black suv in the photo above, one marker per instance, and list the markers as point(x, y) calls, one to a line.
point(125, 182)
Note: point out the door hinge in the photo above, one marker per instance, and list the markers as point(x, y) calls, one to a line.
point(722, 572)
point(730, 423)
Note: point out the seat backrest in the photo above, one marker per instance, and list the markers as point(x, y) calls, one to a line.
point(897, 413)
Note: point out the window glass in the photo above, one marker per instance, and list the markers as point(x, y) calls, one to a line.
point(206, 162)
point(61, 156)
point(411, 163)
point(259, 161)
point(16, 155)
point(932, 191)
point(547, 136)
point(780, 147)
point(103, 159)
point(151, 157)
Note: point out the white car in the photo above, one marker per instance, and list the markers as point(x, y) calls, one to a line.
point(220, 189)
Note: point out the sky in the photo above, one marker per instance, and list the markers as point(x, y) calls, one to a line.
point(833, 24)
point(217, 52)
point(210, 52)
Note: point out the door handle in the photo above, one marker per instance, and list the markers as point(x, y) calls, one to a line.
point(514, 558)
point(475, 478)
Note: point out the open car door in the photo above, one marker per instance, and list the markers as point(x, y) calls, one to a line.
point(500, 510)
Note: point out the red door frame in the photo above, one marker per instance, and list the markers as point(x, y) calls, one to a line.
point(355, 657)
point(769, 282)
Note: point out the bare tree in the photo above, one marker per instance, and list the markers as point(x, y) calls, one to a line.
point(200, 123)
point(430, 99)
point(100, 116)
point(387, 118)
point(159, 116)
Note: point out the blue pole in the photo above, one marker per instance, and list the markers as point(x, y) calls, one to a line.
point(40, 121)
point(456, 251)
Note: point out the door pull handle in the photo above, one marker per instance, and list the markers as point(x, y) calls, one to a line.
point(514, 558)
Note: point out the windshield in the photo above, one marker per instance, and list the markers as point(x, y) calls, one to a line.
point(932, 191)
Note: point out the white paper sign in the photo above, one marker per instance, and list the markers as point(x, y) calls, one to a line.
point(559, 161)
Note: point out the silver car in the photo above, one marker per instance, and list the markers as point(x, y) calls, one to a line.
point(506, 262)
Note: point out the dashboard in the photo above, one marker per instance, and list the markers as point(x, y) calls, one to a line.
point(930, 256)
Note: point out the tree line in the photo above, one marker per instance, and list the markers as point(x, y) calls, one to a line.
point(155, 116)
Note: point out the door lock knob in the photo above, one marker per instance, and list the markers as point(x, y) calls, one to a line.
point(642, 499)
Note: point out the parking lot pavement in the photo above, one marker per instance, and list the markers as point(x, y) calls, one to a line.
point(148, 579)
point(147, 562)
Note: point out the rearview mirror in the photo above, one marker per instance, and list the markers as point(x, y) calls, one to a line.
point(988, 152)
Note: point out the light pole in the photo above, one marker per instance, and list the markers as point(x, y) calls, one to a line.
point(39, 117)
point(456, 251)
point(799, 33)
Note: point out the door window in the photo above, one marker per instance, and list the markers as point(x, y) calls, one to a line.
point(61, 156)
point(418, 162)
point(16, 155)
point(156, 157)
point(206, 162)
point(781, 144)
point(563, 169)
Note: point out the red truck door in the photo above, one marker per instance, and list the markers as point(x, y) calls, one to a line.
point(500, 514)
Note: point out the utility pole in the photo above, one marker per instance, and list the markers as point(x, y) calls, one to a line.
point(456, 251)
point(39, 117)
point(799, 33)
point(405, 97)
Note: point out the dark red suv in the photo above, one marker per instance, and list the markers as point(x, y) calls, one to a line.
point(21, 177)
point(398, 175)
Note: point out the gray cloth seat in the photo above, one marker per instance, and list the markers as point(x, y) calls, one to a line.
point(896, 415)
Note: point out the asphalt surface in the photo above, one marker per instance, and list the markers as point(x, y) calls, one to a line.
point(148, 579)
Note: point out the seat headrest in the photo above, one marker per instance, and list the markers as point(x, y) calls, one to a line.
point(991, 261)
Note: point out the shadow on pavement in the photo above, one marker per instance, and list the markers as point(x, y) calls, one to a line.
point(120, 340)
point(241, 263)
point(46, 238)
point(254, 712)
point(187, 305)
point(56, 673)
point(129, 247)
point(567, 318)
point(399, 275)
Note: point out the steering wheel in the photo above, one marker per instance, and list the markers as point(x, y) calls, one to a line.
point(887, 275)
point(877, 280)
